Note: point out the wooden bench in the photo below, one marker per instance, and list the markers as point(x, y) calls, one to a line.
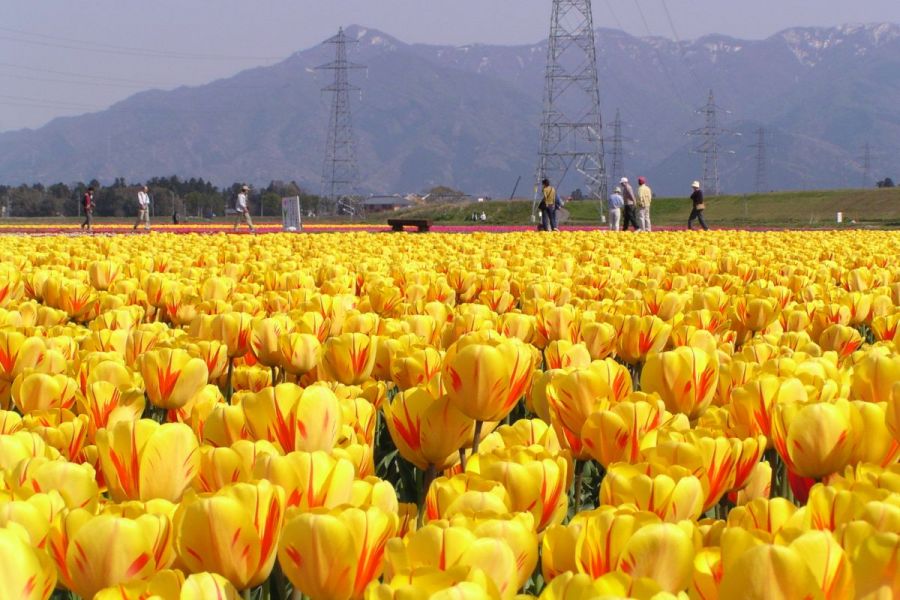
point(422, 225)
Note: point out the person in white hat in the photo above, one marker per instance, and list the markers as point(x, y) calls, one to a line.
point(699, 207)
point(243, 211)
point(629, 216)
point(615, 204)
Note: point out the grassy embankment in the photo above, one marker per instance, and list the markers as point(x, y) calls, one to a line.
point(869, 208)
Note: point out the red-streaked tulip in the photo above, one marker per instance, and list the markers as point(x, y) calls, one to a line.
point(172, 377)
point(233, 532)
point(335, 555)
point(144, 460)
point(685, 378)
point(26, 572)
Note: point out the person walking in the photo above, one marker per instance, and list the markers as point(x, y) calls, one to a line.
point(645, 197)
point(143, 217)
point(243, 211)
point(698, 207)
point(628, 213)
point(615, 204)
point(87, 203)
point(549, 205)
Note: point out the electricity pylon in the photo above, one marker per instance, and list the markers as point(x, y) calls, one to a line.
point(571, 126)
point(340, 174)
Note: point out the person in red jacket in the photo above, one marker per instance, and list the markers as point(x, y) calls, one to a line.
point(87, 203)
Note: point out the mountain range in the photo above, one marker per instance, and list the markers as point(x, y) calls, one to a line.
point(468, 116)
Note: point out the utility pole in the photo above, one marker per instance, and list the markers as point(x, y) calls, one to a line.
point(762, 182)
point(571, 125)
point(867, 166)
point(617, 168)
point(709, 146)
point(340, 175)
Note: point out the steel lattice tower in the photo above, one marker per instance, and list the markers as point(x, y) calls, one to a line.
point(571, 126)
point(340, 175)
point(617, 166)
point(709, 145)
point(867, 165)
point(762, 178)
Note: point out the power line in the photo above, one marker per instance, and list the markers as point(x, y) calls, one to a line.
point(124, 50)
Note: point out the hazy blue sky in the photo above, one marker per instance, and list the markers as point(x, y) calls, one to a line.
point(63, 57)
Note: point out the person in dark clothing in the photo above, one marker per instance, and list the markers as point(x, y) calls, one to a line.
point(629, 212)
point(87, 203)
point(698, 207)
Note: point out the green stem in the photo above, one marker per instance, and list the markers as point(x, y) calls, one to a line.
point(462, 459)
point(276, 583)
point(229, 390)
point(430, 474)
point(579, 483)
point(247, 594)
point(477, 439)
point(274, 375)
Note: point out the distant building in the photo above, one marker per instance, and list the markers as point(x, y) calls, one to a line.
point(386, 203)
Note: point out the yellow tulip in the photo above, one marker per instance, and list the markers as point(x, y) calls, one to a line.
point(524, 432)
point(517, 530)
point(298, 352)
point(75, 483)
point(467, 583)
point(620, 432)
point(685, 378)
point(348, 358)
point(17, 353)
point(641, 336)
point(842, 339)
point(144, 460)
point(468, 494)
point(417, 366)
point(574, 395)
point(252, 379)
point(293, 418)
point(233, 532)
point(885, 327)
point(445, 547)
point(537, 482)
point(600, 339)
point(517, 325)
point(223, 466)
point(96, 552)
point(36, 515)
point(752, 403)
point(892, 412)
point(874, 377)
point(26, 572)
point(234, 330)
point(172, 377)
point(875, 444)
point(875, 566)
point(214, 354)
point(335, 555)
point(674, 493)
point(206, 586)
point(309, 479)
point(265, 339)
point(33, 391)
point(815, 440)
point(561, 354)
point(427, 431)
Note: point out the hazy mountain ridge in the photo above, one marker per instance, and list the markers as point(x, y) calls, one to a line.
point(468, 116)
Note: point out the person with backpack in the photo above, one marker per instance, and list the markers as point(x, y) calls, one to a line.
point(243, 211)
point(549, 205)
point(699, 207)
point(87, 204)
point(628, 215)
point(645, 197)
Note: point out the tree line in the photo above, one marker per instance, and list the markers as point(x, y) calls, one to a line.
point(191, 198)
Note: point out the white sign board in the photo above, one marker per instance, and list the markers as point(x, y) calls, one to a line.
point(290, 214)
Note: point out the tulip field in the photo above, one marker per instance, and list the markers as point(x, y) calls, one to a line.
point(363, 416)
